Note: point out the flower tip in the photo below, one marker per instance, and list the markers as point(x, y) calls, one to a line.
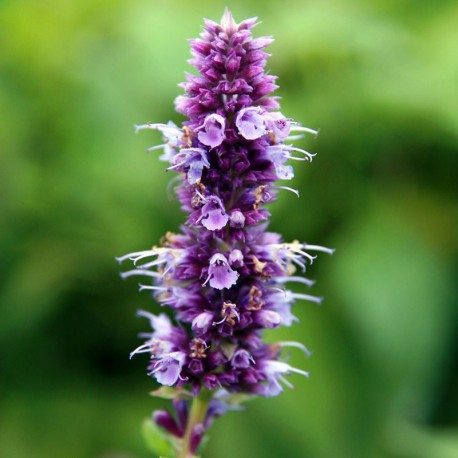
point(227, 22)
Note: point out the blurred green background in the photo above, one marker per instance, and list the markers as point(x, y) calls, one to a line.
point(379, 79)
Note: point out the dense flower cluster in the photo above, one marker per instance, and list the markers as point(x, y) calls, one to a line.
point(224, 276)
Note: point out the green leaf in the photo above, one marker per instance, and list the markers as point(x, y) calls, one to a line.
point(156, 439)
point(167, 392)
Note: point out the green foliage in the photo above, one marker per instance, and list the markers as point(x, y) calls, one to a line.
point(156, 440)
point(377, 78)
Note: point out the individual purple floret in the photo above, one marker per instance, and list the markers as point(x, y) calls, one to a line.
point(223, 279)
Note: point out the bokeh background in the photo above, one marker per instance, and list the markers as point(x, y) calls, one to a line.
point(379, 79)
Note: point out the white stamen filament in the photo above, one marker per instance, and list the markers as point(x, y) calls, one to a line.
point(280, 367)
point(305, 281)
point(299, 371)
point(297, 128)
point(225, 318)
point(145, 348)
point(166, 271)
point(136, 255)
point(152, 288)
point(172, 167)
point(207, 280)
point(280, 290)
point(152, 148)
point(294, 137)
point(147, 273)
point(318, 248)
point(145, 314)
point(286, 188)
point(307, 297)
point(200, 195)
point(305, 254)
point(160, 127)
point(152, 263)
point(296, 345)
point(286, 382)
point(298, 262)
point(294, 158)
point(309, 156)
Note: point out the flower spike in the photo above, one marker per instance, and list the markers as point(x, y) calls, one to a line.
point(223, 278)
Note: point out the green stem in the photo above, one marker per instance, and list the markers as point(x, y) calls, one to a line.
point(197, 415)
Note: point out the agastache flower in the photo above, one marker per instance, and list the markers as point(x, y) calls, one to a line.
point(250, 123)
point(220, 274)
point(223, 277)
point(212, 133)
point(213, 216)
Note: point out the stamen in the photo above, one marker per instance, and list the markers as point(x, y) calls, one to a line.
point(310, 156)
point(135, 255)
point(305, 281)
point(200, 195)
point(145, 314)
point(166, 271)
point(207, 280)
point(157, 126)
point(299, 371)
point(286, 382)
point(145, 348)
point(305, 254)
point(307, 297)
point(296, 345)
point(298, 262)
point(172, 167)
point(294, 137)
point(280, 290)
point(152, 263)
point(152, 148)
point(153, 288)
point(297, 128)
point(294, 191)
point(147, 273)
point(294, 158)
point(319, 248)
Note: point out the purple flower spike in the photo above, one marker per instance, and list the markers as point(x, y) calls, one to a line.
point(250, 123)
point(220, 274)
point(224, 279)
point(212, 133)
